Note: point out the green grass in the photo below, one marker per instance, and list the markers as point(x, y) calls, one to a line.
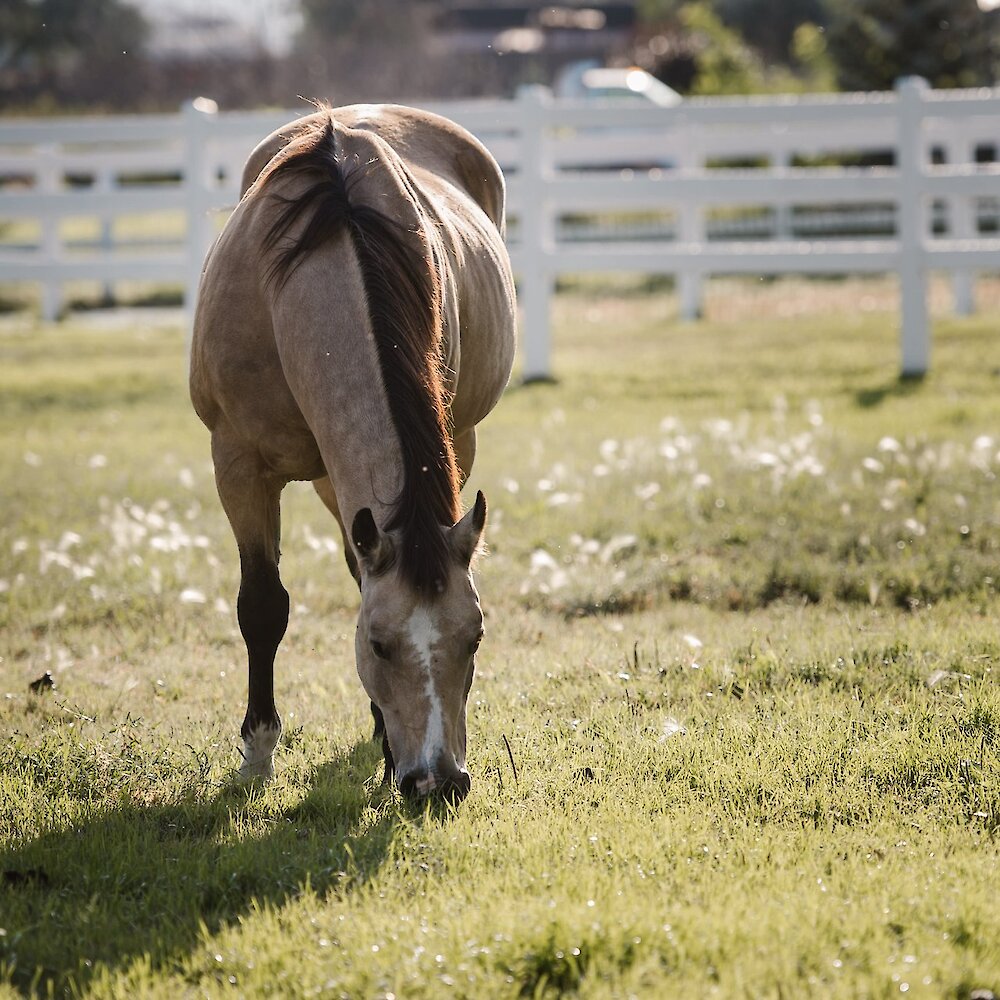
point(735, 729)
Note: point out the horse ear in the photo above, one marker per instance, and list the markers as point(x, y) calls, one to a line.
point(364, 533)
point(465, 535)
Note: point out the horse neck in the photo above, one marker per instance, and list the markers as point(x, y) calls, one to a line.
point(364, 299)
point(330, 361)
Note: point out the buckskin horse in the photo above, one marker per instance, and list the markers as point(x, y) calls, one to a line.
point(355, 322)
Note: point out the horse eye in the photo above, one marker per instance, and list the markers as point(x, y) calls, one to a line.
point(474, 645)
point(380, 649)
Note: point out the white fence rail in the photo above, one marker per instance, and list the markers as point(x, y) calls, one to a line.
point(705, 188)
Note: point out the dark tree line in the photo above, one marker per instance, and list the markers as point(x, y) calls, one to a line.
point(851, 44)
point(65, 53)
point(950, 42)
point(93, 54)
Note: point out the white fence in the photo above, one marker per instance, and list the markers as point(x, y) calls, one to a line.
point(705, 188)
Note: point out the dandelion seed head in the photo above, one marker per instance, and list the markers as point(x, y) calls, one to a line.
point(669, 728)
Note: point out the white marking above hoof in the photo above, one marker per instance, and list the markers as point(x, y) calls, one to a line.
point(258, 753)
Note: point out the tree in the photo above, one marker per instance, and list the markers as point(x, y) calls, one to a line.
point(695, 50)
point(724, 63)
point(69, 51)
point(367, 51)
point(952, 43)
point(767, 26)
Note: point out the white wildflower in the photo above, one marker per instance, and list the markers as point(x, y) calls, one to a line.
point(562, 499)
point(671, 727)
point(69, 540)
point(617, 546)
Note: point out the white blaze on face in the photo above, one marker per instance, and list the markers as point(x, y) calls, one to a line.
point(423, 635)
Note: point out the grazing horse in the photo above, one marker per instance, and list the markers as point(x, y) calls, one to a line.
point(355, 321)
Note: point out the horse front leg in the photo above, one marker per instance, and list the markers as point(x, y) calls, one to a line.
point(325, 491)
point(262, 610)
point(465, 452)
point(251, 501)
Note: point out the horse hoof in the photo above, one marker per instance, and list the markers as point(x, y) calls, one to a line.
point(258, 753)
point(261, 770)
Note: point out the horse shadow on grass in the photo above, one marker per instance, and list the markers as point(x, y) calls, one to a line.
point(137, 880)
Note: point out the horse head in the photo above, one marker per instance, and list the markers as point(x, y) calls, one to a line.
point(416, 653)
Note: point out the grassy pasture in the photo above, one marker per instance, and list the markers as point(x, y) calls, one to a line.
point(736, 723)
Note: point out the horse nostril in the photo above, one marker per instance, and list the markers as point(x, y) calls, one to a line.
point(454, 789)
point(420, 784)
point(417, 784)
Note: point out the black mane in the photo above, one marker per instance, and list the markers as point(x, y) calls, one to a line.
point(403, 293)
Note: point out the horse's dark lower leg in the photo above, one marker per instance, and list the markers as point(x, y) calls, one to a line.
point(262, 610)
point(251, 497)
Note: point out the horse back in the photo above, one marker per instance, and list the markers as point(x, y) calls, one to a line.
point(445, 192)
point(461, 192)
point(420, 138)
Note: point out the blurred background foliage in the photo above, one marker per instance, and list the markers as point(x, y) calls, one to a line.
point(140, 55)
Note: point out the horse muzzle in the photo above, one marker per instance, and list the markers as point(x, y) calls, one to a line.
point(452, 785)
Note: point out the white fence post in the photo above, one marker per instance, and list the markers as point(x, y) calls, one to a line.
point(536, 284)
point(690, 231)
point(198, 117)
point(912, 227)
point(962, 225)
point(104, 182)
point(49, 179)
point(783, 215)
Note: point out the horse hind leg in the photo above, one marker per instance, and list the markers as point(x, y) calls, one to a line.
point(251, 502)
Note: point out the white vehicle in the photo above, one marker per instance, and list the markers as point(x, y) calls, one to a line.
point(602, 83)
point(587, 81)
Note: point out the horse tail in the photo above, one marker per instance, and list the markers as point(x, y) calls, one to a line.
point(400, 271)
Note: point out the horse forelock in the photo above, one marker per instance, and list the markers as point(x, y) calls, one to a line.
point(403, 290)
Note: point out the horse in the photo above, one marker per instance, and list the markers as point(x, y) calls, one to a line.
point(355, 321)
